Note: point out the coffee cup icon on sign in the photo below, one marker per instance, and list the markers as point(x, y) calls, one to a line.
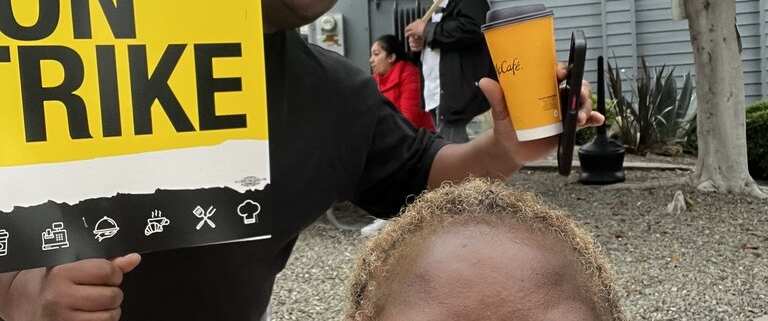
point(156, 223)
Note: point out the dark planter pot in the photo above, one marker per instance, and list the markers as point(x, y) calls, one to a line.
point(602, 162)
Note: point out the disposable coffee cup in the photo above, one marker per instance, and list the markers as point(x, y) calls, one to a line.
point(521, 40)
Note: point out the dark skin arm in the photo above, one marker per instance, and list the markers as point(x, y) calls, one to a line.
point(87, 290)
point(497, 153)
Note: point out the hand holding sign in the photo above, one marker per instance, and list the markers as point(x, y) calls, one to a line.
point(84, 290)
point(144, 104)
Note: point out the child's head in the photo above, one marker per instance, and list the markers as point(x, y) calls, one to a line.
point(482, 250)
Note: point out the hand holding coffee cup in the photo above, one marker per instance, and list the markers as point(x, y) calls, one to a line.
point(522, 46)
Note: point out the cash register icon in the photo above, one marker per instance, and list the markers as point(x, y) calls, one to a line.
point(55, 238)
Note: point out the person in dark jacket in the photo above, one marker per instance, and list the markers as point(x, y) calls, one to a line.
point(454, 57)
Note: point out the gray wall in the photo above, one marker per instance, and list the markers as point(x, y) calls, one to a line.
point(622, 31)
point(751, 19)
point(356, 31)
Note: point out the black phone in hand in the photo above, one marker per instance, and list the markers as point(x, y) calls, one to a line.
point(570, 102)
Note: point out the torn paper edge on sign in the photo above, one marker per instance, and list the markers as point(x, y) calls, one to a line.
point(238, 164)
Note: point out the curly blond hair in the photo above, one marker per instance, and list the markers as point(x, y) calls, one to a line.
point(475, 202)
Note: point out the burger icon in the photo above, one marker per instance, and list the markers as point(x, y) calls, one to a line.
point(105, 228)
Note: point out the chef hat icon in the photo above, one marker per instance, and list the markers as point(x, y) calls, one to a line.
point(249, 210)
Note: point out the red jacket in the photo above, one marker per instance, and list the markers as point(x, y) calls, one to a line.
point(402, 86)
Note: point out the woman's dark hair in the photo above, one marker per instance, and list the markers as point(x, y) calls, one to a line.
point(391, 45)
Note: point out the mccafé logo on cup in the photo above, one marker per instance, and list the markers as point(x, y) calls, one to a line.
point(521, 40)
point(506, 67)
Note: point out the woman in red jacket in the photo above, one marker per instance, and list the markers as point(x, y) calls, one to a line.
point(399, 80)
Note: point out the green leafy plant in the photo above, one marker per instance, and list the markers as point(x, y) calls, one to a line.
point(757, 140)
point(584, 135)
point(655, 114)
point(624, 126)
point(651, 100)
point(676, 120)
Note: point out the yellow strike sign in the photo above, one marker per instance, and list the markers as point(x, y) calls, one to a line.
point(84, 79)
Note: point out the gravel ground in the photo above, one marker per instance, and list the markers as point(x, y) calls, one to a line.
point(709, 262)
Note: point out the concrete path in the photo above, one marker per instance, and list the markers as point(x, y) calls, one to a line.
point(548, 163)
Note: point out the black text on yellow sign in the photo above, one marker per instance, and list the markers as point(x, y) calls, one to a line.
point(82, 79)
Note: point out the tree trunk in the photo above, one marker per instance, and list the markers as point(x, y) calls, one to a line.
point(721, 117)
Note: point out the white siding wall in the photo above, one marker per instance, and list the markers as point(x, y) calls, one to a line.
point(620, 49)
point(571, 15)
point(748, 19)
point(763, 16)
point(626, 30)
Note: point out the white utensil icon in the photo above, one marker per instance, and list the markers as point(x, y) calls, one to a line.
point(205, 215)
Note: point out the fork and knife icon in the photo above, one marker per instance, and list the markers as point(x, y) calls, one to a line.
point(205, 216)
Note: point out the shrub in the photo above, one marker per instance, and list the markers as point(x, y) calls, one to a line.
point(757, 139)
point(584, 135)
point(655, 114)
point(677, 119)
point(757, 107)
point(625, 127)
